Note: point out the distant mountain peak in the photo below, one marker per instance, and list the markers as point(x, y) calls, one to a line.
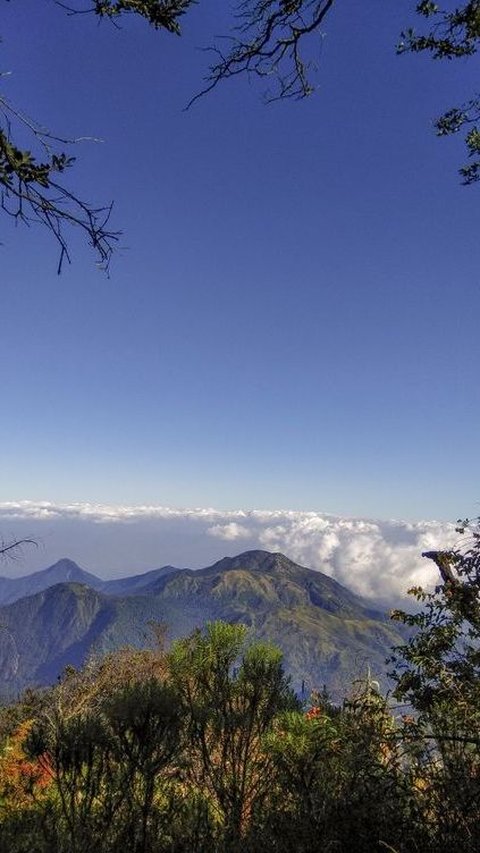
point(64, 564)
point(63, 571)
point(66, 570)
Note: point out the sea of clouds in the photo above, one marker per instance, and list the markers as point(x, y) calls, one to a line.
point(376, 558)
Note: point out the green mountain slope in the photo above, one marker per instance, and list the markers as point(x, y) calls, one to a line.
point(328, 635)
point(62, 625)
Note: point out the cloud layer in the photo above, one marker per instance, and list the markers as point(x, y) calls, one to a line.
point(377, 559)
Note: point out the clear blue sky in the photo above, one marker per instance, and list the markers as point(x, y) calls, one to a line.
point(293, 318)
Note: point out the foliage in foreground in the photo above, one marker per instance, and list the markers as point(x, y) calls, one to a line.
point(205, 748)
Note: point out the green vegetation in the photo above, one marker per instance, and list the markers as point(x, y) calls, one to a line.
point(327, 634)
point(454, 33)
point(205, 748)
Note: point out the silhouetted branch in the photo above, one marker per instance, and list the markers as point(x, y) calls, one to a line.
point(268, 44)
point(13, 548)
point(29, 193)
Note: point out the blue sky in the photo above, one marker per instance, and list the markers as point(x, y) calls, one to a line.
point(292, 318)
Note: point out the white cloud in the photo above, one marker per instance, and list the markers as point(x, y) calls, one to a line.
point(378, 559)
point(229, 532)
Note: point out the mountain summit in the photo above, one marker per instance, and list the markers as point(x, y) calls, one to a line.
point(63, 571)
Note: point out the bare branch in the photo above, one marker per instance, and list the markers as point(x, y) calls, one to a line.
point(268, 44)
point(13, 548)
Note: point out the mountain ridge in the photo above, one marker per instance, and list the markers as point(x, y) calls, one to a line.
point(328, 634)
point(66, 570)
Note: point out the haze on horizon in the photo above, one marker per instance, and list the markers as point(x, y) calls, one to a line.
point(377, 559)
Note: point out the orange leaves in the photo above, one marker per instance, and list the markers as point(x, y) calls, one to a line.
point(21, 779)
point(313, 713)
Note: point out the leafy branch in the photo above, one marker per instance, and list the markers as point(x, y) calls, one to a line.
point(453, 34)
point(160, 14)
point(31, 192)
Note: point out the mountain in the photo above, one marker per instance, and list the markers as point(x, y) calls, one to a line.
point(41, 634)
point(63, 571)
point(136, 583)
point(66, 571)
point(328, 635)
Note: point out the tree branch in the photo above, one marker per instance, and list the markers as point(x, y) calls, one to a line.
point(12, 549)
point(268, 44)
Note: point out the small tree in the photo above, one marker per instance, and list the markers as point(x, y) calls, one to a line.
point(440, 664)
point(145, 721)
point(231, 692)
point(339, 778)
point(437, 673)
point(111, 760)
